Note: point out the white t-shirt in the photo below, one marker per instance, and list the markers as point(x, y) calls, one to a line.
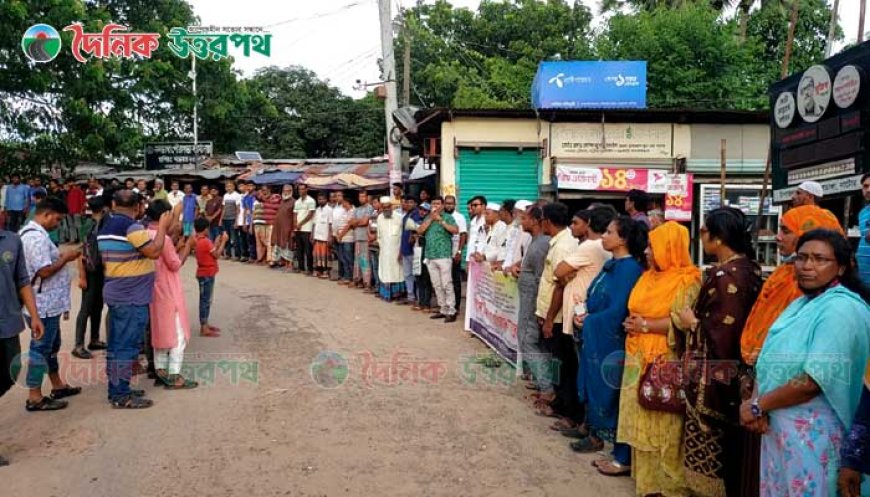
point(175, 197)
point(301, 209)
point(463, 228)
point(340, 218)
point(322, 220)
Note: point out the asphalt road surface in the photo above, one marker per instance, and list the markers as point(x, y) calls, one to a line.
point(285, 434)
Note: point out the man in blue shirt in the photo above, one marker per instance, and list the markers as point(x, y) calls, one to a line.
point(15, 293)
point(863, 255)
point(16, 203)
point(188, 213)
point(410, 222)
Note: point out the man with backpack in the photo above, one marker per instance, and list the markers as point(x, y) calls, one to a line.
point(91, 279)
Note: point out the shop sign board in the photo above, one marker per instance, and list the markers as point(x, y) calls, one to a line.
point(822, 171)
point(677, 188)
point(176, 155)
point(829, 187)
point(612, 140)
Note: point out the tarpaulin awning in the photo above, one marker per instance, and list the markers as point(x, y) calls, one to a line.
point(276, 178)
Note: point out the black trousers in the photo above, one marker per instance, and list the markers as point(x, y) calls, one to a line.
point(10, 362)
point(91, 309)
point(456, 274)
point(304, 252)
point(424, 288)
point(14, 220)
point(567, 401)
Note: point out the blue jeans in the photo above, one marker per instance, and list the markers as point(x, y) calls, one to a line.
point(42, 358)
point(408, 269)
point(345, 261)
point(206, 292)
point(214, 232)
point(126, 328)
point(228, 226)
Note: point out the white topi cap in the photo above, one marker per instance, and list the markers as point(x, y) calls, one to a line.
point(492, 206)
point(813, 188)
point(522, 205)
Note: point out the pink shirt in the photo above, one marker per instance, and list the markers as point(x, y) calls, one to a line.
point(168, 298)
point(588, 259)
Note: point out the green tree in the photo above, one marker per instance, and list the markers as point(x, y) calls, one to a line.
point(694, 59)
point(313, 119)
point(488, 58)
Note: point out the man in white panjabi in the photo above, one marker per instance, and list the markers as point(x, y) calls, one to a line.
point(390, 272)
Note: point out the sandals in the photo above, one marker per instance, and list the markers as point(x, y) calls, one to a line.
point(45, 404)
point(613, 468)
point(172, 383)
point(66, 391)
point(587, 446)
point(132, 402)
point(564, 424)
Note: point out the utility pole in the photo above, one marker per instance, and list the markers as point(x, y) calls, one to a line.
point(391, 102)
point(193, 77)
point(406, 67)
point(406, 81)
point(863, 4)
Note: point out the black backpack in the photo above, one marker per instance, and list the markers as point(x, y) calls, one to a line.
point(91, 257)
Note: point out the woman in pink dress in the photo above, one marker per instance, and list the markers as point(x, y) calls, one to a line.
point(170, 328)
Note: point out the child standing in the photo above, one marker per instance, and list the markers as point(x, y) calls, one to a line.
point(207, 254)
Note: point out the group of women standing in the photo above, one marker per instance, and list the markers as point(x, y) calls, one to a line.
point(712, 385)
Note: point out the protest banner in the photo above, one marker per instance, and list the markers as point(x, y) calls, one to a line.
point(492, 308)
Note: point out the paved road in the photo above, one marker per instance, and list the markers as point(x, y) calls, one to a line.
point(37, 51)
point(285, 434)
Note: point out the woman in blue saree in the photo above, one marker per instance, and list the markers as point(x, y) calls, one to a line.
point(810, 372)
point(602, 353)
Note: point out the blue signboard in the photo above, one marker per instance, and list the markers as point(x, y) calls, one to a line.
point(590, 85)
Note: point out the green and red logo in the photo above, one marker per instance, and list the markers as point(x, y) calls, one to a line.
point(41, 43)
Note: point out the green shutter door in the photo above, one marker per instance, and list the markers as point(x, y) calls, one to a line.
point(497, 174)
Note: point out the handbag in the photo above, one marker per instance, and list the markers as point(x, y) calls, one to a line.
point(661, 387)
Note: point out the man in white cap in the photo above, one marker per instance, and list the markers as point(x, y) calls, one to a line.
point(492, 249)
point(807, 193)
point(517, 240)
point(390, 273)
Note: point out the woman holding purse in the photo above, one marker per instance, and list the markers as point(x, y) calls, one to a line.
point(655, 436)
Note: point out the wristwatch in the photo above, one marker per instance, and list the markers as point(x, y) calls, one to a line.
point(644, 326)
point(756, 409)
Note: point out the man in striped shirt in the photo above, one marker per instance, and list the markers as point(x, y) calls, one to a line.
point(128, 255)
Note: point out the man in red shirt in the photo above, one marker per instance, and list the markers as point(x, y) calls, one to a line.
point(75, 206)
point(207, 255)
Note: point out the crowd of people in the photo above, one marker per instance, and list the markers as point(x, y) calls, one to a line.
point(707, 383)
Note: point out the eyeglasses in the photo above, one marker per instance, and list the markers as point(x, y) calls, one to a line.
point(476, 205)
point(814, 259)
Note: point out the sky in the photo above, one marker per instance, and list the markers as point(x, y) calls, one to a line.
point(340, 39)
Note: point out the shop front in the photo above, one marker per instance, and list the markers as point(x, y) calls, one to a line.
point(818, 128)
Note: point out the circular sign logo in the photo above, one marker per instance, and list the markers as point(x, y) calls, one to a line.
point(814, 93)
point(41, 43)
point(847, 86)
point(784, 109)
point(329, 369)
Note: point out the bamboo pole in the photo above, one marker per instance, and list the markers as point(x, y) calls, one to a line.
point(722, 162)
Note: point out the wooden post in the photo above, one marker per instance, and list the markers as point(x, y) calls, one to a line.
point(722, 175)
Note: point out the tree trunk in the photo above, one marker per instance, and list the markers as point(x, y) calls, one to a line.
point(744, 23)
point(790, 40)
point(832, 30)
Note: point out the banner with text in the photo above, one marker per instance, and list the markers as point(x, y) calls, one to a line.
point(677, 188)
point(492, 309)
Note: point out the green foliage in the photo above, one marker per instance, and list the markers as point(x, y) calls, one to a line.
point(696, 58)
point(64, 111)
point(488, 58)
point(694, 61)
